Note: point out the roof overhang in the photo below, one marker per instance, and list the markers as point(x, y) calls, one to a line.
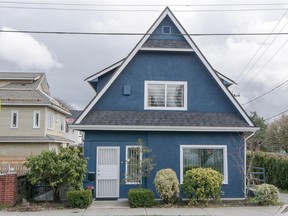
point(163, 128)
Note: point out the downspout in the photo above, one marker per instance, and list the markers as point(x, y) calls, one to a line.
point(245, 170)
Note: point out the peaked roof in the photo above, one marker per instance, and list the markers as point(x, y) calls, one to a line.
point(27, 89)
point(140, 46)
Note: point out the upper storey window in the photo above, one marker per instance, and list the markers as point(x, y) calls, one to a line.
point(165, 95)
point(14, 119)
point(166, 29)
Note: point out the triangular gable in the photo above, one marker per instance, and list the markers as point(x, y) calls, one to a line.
point(165, 13)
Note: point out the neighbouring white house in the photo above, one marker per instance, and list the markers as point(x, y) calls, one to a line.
point(30, 119)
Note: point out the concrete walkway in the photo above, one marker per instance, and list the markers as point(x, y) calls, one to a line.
point(120, 207)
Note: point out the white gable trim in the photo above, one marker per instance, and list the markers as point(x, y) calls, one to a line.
point(106, 70)
point(165, 13)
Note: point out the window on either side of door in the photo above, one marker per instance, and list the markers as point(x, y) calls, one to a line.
point(133, 164)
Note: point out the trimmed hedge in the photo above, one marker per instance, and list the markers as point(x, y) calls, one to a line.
point(140, 197)
point(276, 168)
point(79, 198)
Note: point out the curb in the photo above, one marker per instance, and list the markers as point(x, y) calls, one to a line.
point(282, 211)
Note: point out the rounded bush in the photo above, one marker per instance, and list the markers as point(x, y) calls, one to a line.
point(202, 184)
point(266, 194)
point(167, 185)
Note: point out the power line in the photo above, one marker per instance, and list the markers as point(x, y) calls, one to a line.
point(259, 50)
point(250, 81)
point(276, 115)
point(143, 10)
point(266, 93)
point(139, 34)
point(141, 5)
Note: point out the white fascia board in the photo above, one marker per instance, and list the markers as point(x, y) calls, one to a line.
point(23, 104)
point(122, 66)
point(166, 49)
point(89, 79)
point(163, 128)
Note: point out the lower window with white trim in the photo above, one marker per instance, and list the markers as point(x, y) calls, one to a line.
point(133, 164)
point(213, 156)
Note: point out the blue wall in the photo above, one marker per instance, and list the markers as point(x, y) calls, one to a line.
point(204, 94)
point(166, 148)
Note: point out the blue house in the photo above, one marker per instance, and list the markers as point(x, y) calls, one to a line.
point(167, 94)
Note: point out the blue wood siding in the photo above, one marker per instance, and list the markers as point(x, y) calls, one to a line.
point(166, 147)
point(175, 33)
point(204, 94)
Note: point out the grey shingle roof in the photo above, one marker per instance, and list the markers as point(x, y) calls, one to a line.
point(22, 96)
point(163, 118)
point(166, 44)
point(22, 88)
point(19, 75)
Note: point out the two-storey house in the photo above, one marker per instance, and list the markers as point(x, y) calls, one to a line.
point(166, 93)
point(30, 119)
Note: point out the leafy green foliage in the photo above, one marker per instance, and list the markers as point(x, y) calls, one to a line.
point(167, 185)
point(79, 198)
point(266, 194)
point(202, 184)
point(140, 197)
point(65, 168)
point(276, 168)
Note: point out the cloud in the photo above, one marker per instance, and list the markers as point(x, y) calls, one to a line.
point(25, 51)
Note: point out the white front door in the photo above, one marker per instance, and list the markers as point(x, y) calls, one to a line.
point(107, 172)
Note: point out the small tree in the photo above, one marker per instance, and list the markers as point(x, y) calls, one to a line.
point(142, 163)
point(56, 170)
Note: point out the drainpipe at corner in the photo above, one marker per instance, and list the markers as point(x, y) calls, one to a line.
point(245, 170)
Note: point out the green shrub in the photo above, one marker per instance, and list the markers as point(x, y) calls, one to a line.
point(167, 185)
point(202, 184)
point(140, 197)
point(266, 194)
point(79, 198)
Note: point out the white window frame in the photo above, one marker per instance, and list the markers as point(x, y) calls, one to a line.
point(163, 27)
point(184, 83)
point(225, 158)
point(126, 162)
point(17, 118)
point(34, 118)
point(62, 123)
point(50, 121)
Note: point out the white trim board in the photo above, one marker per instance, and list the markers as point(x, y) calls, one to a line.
point(166, 12)
point(163, 128)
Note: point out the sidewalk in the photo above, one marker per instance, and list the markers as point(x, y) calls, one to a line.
point(120, 207)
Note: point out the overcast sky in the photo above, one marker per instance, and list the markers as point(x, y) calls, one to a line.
point(68, 59)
